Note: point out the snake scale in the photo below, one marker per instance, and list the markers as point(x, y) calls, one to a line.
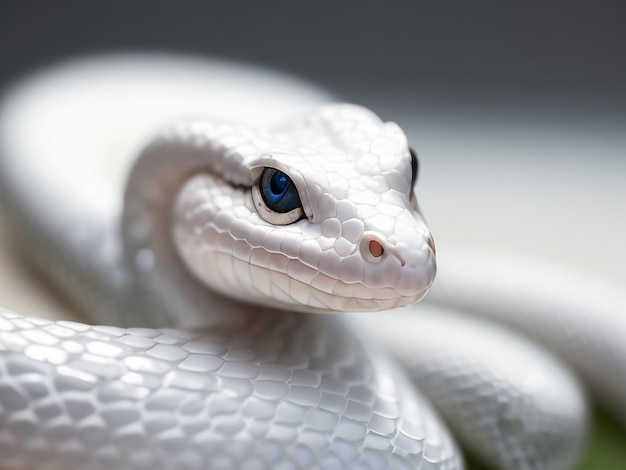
point(237, 234)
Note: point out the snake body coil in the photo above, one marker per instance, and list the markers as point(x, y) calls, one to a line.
point(202, 268)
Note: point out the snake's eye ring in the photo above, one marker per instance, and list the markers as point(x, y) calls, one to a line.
point(276, 198)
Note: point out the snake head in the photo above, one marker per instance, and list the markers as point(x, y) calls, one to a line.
point(321, 216)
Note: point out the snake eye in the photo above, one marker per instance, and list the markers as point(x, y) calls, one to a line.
point(279, 202)
point(278, 191)
point(414, 167)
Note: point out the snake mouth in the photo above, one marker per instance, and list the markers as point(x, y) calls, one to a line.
point(291, 294)
point(298, 286)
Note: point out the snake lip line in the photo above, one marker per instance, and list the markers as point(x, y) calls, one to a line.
point(316, 273)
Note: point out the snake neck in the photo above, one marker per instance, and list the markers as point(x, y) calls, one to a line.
point(166, 294)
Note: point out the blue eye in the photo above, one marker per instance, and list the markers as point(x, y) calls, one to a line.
point(278, 191)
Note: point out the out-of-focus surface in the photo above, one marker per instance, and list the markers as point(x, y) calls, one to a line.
point(553, 193)
point(22, 289)
point(532, 95)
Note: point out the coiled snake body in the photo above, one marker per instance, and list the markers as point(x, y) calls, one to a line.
point(227, 230)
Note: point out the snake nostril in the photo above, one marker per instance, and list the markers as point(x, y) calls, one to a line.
point(376, 249)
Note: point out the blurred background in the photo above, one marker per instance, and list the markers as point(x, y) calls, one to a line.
point(513, 106)
point(561, 57)
point(521, 96)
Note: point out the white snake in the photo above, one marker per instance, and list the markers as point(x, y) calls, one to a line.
point(245, 386)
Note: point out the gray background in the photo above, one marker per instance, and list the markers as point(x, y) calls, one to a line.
point(488, 56)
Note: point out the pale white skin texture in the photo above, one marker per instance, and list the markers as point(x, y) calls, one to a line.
point(353, 175)
point(515, 407)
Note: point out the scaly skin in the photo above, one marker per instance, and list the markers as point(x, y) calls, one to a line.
point(256, 387)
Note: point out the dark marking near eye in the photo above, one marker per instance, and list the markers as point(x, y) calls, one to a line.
point(414, 167)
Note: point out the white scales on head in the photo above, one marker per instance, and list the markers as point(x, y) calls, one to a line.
point(318, 216)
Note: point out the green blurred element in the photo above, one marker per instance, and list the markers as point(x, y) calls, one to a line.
point(606, 450)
